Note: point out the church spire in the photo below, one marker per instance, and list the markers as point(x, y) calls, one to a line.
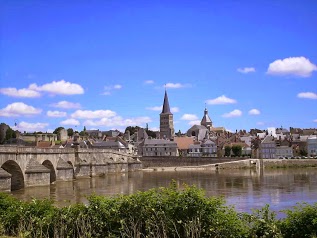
point(166, 105)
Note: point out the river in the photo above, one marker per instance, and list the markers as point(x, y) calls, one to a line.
point(244, 189)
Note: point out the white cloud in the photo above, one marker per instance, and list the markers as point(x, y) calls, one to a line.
point(70, 122)
point(176, 85)
point(246, 70)
point(234, 113)
point(117, 86)
point(108, 89)
point(260, 123)
point(149, 82)
point(24, 92)
point(298, 66)
point(56, 114)
point(254, 112)
point(174, 109)
point(87, 114)
point(221, 100)
point(315, 120)
point(30, 127)
point(66, 105)
point(195, 122)
point(59, 87)
point(118, 122)
point(159, 108)
point(18, 109)
point(189, 117)
point(308, 95)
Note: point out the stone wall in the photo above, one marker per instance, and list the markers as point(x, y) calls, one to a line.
point(288, 163)
point(167, 161)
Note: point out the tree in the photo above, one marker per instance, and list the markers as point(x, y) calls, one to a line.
point(227, 150)
point(237, 150)
point(58, 129)
point(132, 129)
point(70, 132)
point(10, 134)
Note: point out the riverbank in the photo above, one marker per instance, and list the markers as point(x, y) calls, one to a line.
point(235, 164)
point(161, 212)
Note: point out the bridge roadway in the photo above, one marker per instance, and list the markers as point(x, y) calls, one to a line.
point(29, 166)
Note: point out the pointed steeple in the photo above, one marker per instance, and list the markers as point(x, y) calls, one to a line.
point(166, 105)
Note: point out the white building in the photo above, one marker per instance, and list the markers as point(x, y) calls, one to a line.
point(312, 146)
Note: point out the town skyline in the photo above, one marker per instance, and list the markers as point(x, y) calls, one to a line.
point(106, 65)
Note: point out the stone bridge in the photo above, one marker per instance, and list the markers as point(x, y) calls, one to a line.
point(29, 166)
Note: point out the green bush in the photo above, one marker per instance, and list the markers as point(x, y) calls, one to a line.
point(162, 212)
point(301, 221)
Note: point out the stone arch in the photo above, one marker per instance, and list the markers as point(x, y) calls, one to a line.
point(17, 179)
point(48, 164)
point(193, 133)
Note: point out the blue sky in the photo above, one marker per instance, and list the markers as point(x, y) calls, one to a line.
point(104, 64)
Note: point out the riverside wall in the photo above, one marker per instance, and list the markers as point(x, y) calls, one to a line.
point(170, 161)
point(225, 164)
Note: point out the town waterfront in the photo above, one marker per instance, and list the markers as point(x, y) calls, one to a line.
point(245, 189)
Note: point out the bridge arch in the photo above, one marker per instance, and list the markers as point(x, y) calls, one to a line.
point(17, 179)
point(48, 164)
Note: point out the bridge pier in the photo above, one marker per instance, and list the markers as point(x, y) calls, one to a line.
point(5, 180)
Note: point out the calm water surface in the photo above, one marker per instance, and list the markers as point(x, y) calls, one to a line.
point(245, 189)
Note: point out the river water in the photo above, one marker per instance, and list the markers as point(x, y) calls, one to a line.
point(244, 189)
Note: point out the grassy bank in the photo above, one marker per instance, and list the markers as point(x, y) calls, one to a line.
point(163, 212)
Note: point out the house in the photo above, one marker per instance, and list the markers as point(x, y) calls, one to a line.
point(206, 148)
point(268, 148)
point(183, 144)
point(157, 147)
point(312, 146)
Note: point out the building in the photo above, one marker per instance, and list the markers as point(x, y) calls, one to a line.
point(206, 148)
point(166, 120)
point(206, 121)
point(312, 146)
point(268, 148)
point(157, 147)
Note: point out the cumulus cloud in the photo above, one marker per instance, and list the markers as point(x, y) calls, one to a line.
point(159, 108)
point(118, 122)
point(19, 109)
point(189, 117)
point(234, 113)
point(70, 122)
point(56, 114)
point(221, 100)
point(87, 114)
point(246, 70)
point(23, 93)
point(297, 66)
point(149, 82)
point(308, 95)
point(59, 87)
point(174, 109)
point(30, 127)
point(176, 85)
point(117, 86)
point(254, 112)
point(195, 122)
point(66, 105)
point(109, 89)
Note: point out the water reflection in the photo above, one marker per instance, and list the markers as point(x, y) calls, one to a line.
point(245, 189)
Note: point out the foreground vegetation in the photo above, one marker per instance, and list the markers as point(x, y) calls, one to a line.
point(163, 212)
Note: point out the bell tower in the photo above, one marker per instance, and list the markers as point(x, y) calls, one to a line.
point(166, 120)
